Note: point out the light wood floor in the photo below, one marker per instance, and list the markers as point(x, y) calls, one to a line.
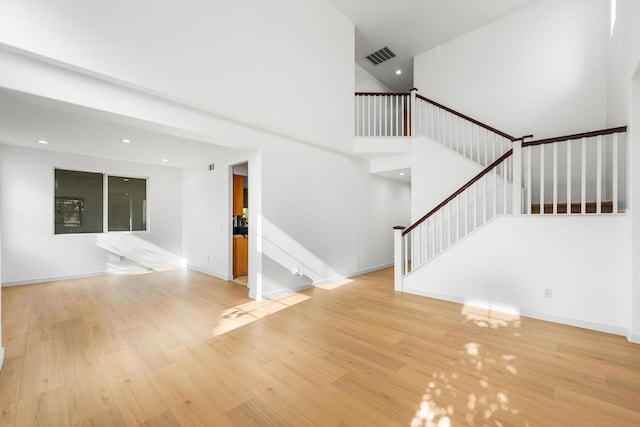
point(180, 348)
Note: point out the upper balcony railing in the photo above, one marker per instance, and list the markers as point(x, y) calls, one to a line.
point(576, 174)
point(383, 114)
point(410, 114)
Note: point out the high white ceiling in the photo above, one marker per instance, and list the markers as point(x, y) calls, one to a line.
point(410, 27)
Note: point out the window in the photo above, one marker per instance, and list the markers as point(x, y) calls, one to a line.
point(127, 204)
point(80, 208)
point(78, 202)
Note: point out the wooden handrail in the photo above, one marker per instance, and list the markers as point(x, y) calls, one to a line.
point(382, 94)
point(459, 191)
point(450, 110)
point(575, 136)
point(505, 156)
point(474, 121)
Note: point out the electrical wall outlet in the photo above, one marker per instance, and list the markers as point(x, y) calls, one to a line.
point(548, 292)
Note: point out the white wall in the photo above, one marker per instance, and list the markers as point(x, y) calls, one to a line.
point(634, 211)
point(623, 58)
point(206, 213)
point(323, 215)
point(314, 216)
point(623, 108)
point(366, 82)
point(510, 261)
point(436, 172)
point(542, 70)
point(30, 250)
point(283, 65)
point(1, 347)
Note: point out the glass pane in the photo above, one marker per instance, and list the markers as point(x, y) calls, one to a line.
point(78, 203)
point(127, 203)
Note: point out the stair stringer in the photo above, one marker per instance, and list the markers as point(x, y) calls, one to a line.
point(506, 266)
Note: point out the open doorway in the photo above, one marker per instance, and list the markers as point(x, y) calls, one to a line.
point(240, 218)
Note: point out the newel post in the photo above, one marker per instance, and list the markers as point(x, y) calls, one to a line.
point(412, 114)
point(398, 258)
point(517, 177)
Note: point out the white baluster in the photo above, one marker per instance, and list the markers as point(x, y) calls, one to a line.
point(505, 181)
point(411, 114)
point(599, 182)
point(475, 206)
point(386, 115)
point(464, 138)
point(376, 114)
point(614, 173)
point(458, 216)
point(517, 178)
point(555, 179)
point(452, 135)
point(430, 120)
point(458, 134)
point(441, 229)
point(542, 179)
point(494, 155)
point(437, 128)
point(450, 205)
point(431, 238)
point(406, 252)
point(529, 154)
point(468, 218)
point(485, 147)
point(368, 115)
point(357, 115)
point(569, 177)
point(583, 178)
point(495, 191)
point(399, 257)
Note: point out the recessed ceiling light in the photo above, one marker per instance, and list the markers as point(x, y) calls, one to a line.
point(401, 174)
point(126, 141)
point(165, 160)
point(126, 180)
point(42, 141)
point(398, 72)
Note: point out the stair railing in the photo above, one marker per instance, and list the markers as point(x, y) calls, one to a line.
point(594, 176)
point(469, 137)
point(488, 194)
point(576, 174)
point(383, 114)
point(407, 114)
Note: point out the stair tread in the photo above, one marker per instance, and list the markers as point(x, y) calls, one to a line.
point(590, 207)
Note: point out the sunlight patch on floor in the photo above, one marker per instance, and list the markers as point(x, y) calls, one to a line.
point(486, 314)
point(335, 285)
point(244, 314)
point(465, 390)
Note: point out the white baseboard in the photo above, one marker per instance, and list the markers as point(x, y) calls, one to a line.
point(282, 292)
point(579, 323)
point(350, 275)
point(52, 279)
point(634, 338)
point(209, 272)
point(370, 270)
point(84, 275)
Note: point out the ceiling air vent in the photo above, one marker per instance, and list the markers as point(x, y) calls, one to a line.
point(381, 56)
